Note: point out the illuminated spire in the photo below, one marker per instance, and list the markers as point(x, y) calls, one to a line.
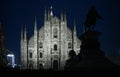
point(62, 17)
point(35, 24)
point(74, 35)
point(74, 26)
point(25, 33)
point(22, 34)
point(45, 17)
point(51, 13)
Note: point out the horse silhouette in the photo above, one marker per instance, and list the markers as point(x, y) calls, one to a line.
point(91, 19)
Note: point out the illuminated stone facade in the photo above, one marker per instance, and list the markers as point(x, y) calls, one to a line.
point(48, 48)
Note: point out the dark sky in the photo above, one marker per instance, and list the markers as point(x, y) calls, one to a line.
point(17, 13)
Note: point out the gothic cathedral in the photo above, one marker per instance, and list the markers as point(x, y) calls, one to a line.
point(48, 48)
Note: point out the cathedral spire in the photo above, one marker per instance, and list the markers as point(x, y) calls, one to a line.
point(74, 35)
point(21, 34)
point(45, 16)
point(48, 15)
point(51, 12)
point(74, 29)
point(25, 33)
point(35, 24)
point(35, 43)
point(64, 15)
point(25, 48)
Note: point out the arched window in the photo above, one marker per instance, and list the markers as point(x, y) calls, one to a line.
point(41, 55)
point(30, 54)
point(69, 45)
point(55, 33)
point(55, 47)
point(41, 45)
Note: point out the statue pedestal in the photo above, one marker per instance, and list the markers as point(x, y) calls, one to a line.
point(90, 40)
point(91, 55)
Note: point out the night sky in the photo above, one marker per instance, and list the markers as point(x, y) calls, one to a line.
point(17, 13)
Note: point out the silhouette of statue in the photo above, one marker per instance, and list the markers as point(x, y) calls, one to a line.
point(91, 19)
point(91, 56)
point(72, 61)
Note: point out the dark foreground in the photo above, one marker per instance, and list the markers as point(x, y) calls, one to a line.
point(49, 73)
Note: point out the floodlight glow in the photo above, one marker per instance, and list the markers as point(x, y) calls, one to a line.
point(11, 59)
point(10, 55)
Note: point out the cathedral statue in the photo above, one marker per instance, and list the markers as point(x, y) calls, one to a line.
point(91, 19)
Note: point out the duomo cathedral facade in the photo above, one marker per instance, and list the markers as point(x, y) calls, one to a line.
point(49, 46)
